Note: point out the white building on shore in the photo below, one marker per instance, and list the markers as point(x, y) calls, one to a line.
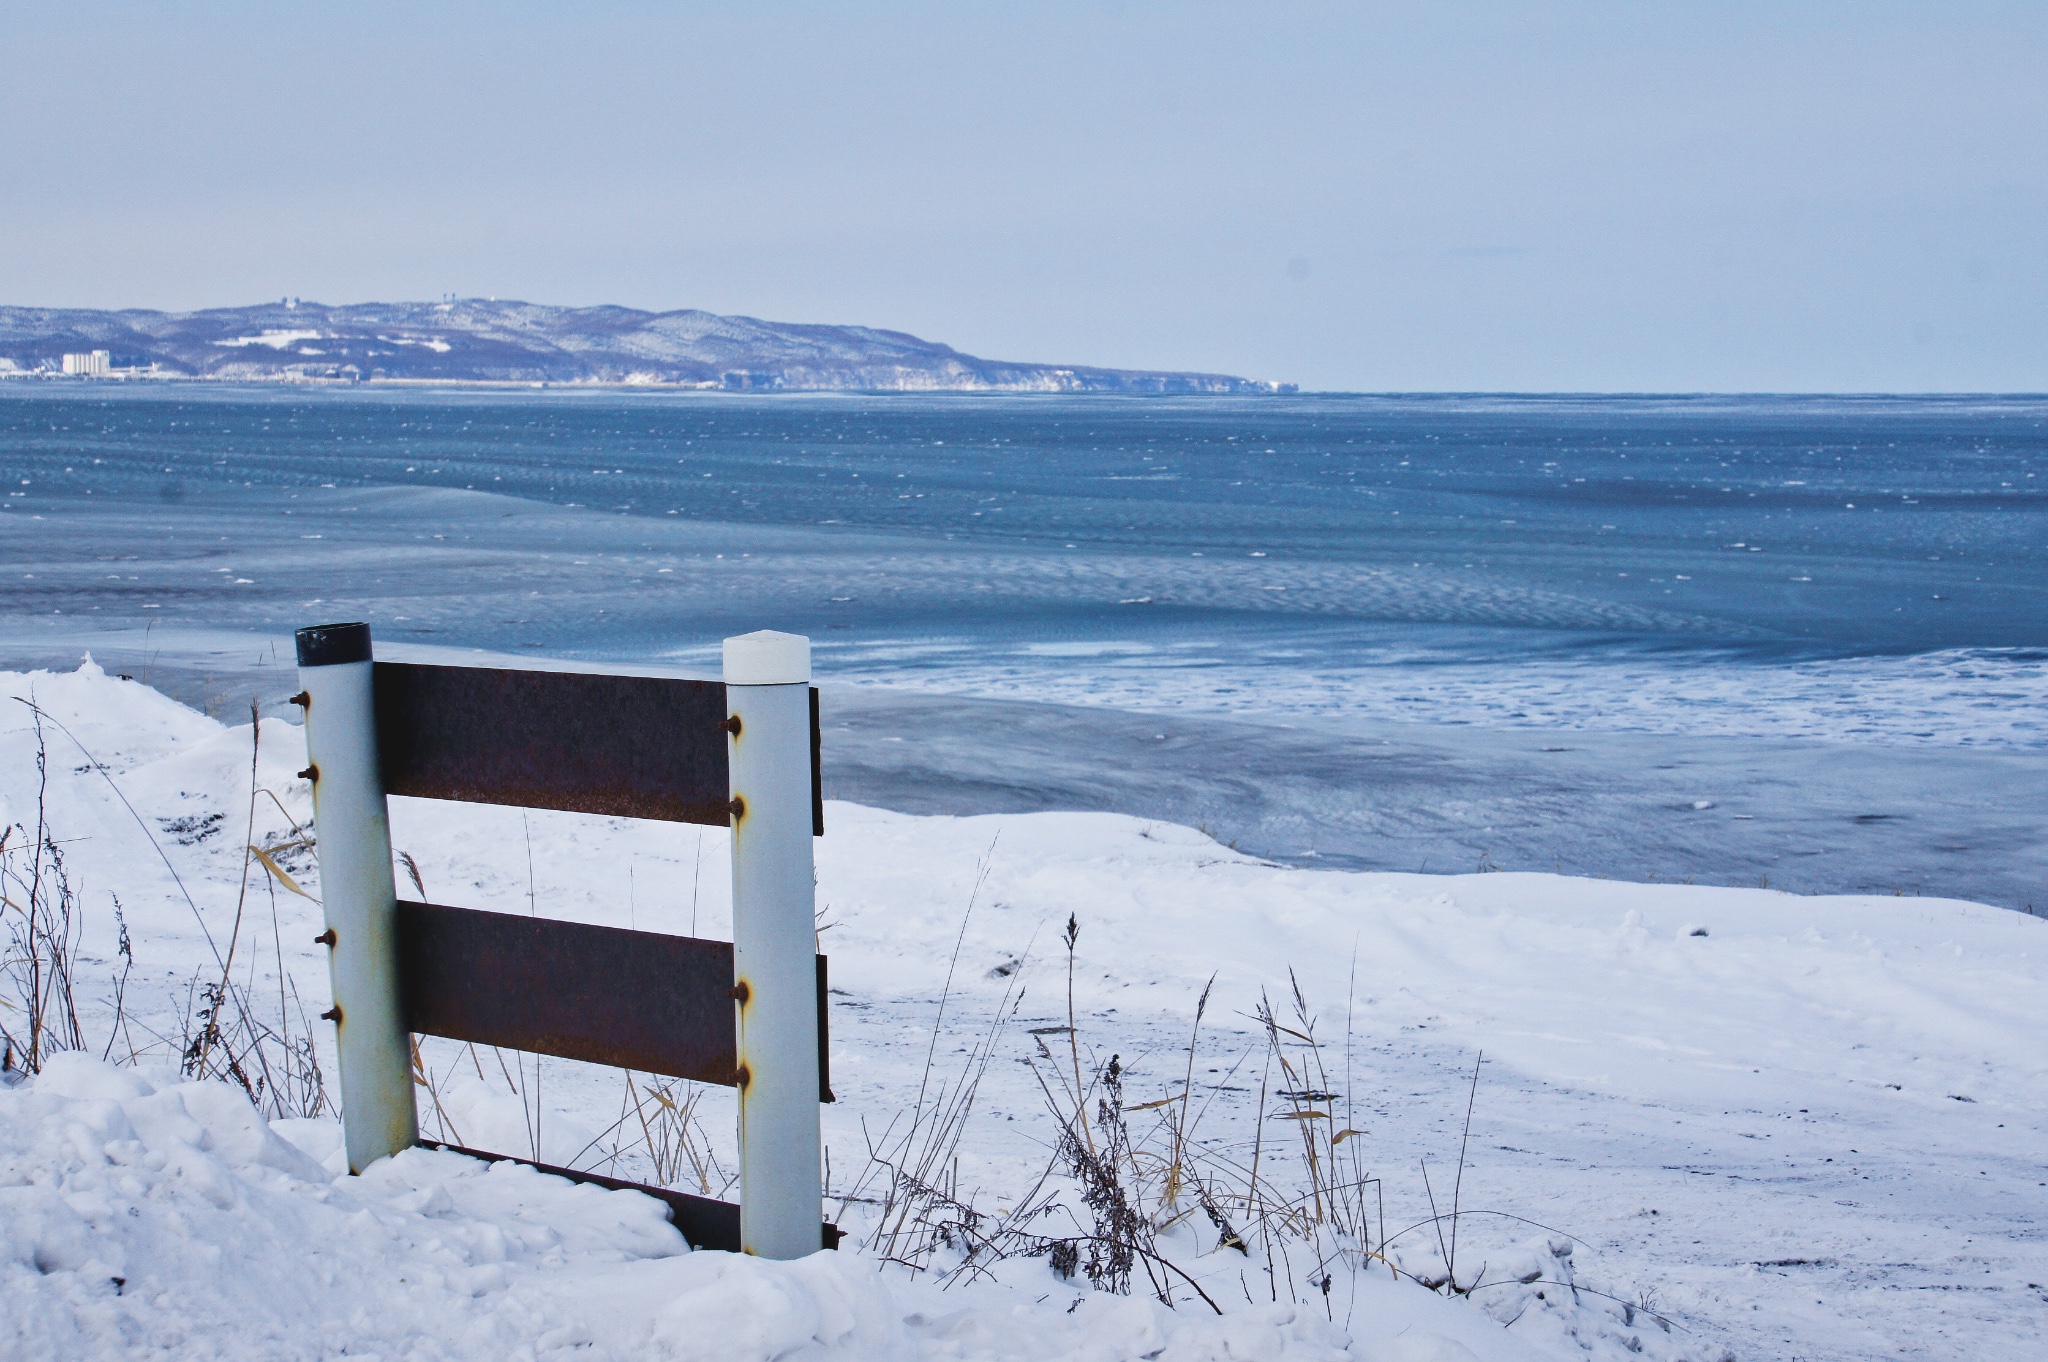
point(91, 364)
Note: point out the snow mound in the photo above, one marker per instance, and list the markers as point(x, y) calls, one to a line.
point(140, 1218)
point(1706, 1116)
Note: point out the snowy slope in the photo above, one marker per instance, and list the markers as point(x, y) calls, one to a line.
point(1791, 1127)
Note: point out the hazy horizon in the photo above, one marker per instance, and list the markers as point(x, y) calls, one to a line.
point(1581, 198)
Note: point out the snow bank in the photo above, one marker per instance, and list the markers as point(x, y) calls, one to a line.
point(138, 1219)
point(147, 1220)
point(1787, 1125)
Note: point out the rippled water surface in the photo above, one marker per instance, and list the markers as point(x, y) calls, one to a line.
point(1868, 569)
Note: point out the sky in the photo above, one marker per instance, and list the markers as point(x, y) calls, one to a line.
point(1453, 196)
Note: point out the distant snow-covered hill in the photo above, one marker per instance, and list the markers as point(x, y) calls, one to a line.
point(479, 340)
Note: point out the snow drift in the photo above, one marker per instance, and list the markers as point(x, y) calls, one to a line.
point(1708, 1120)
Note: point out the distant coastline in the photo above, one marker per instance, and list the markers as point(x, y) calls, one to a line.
point(476, 342)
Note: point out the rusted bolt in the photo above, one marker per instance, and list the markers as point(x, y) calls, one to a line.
point(732, 725)
point(738, 807)
point(740, 993)
point(332, 1014)
point(310, 773)
point(304, 700)
point(326, 938)
point(742, 1076)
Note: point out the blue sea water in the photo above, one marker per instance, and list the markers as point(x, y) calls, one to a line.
point(1860, 568)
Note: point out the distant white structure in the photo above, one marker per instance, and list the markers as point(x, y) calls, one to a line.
point(92, 364)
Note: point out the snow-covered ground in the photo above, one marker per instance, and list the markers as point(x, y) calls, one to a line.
point(1783, 1126)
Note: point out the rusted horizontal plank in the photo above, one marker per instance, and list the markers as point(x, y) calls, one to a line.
point(705, 1222)
point(636, 1000)
point(635, 746)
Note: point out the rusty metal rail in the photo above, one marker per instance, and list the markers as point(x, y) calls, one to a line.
point(630, 746)
point(636, 1000)
point(637, 747)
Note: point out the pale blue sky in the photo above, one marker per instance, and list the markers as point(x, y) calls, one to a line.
point(1637, 196)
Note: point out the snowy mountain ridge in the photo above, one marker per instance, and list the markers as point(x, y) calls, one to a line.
point(477, 340)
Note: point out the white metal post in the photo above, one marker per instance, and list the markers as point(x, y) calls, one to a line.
point(352, 833)
point(768, 703)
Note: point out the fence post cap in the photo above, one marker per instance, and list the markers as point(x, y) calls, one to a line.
point(767, 658)
point(328, 645)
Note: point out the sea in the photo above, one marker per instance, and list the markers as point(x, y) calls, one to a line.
point(1794, 640)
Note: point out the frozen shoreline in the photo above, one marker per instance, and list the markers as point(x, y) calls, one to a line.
point(1372, 743)
point(1803, 816)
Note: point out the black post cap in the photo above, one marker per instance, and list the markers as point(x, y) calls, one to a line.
point(329, 645)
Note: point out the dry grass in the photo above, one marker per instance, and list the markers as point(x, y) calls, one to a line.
point(224, 1030)
point(657, 1137)
point(45, 922)
point(912, 1173)
point(224, 1033)
point(672, 1134)
point(1145, 1195)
